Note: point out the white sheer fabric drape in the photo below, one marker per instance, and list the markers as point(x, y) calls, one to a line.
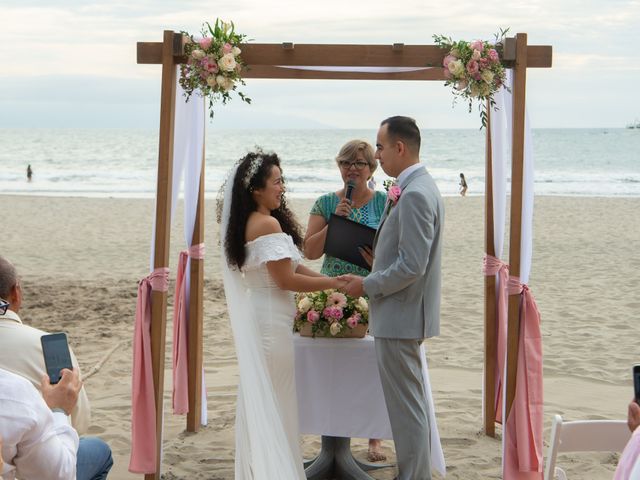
point(501, 138)
point(188, 149)
point(501, 143)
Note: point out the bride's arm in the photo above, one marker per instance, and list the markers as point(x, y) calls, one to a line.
point(307, 271)
point(282, 273)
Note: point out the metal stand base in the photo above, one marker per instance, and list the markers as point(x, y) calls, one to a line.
point(335, 461)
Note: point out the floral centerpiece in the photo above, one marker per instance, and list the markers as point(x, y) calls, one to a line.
point(329, 313)
point(474, 69)
point(213, 63)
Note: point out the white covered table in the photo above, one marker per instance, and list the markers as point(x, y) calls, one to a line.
point(340, 394)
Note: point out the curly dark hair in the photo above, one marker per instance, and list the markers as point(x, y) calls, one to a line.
point(243, 204)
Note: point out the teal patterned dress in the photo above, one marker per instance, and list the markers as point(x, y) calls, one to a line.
point(369, 214)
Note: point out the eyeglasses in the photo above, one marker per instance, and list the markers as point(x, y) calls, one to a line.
point(347, 164)
point(4, 306)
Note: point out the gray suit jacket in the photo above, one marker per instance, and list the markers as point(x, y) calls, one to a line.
point(404, 284)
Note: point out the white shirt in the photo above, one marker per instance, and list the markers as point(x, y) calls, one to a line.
point(21, 353)
point(406, 172)
point(37, 443)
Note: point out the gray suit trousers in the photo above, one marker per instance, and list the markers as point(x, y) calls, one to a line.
point(403, 387)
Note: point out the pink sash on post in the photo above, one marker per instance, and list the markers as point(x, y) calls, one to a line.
point(523, 431)
point(143, 405)
point(181, 332)
point(492, 266)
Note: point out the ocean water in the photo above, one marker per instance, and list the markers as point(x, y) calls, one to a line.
point(123, 163)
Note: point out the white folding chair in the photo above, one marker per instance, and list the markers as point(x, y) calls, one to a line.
point(583, 436)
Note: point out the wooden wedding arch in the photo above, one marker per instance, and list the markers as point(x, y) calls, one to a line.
point(276, 61)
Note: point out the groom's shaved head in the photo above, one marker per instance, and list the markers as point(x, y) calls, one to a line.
point(404, 129)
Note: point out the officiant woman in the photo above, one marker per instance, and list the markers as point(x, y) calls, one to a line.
point(356, 165)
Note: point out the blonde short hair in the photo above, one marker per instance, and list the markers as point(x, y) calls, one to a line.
point(349, 152)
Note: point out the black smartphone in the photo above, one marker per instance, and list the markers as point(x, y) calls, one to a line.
point(636, 382)
point(56, 355)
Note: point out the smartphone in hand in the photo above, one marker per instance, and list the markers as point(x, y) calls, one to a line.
point(636, 382)
point(56, 355)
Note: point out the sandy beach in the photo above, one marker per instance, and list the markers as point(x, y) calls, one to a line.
point(80, 260)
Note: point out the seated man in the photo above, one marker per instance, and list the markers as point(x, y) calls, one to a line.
point(37, 440)
point(20, 347)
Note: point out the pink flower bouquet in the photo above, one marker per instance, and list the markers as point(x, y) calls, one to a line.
point(213, 64)
point(330, 313)
point(473, 69)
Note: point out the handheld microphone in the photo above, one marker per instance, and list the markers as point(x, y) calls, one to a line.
point(351, 185)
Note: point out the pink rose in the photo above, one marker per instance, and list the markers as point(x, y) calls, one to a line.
point(472, 67)
point(353, 320)
point(212, 68)
point(227, 48)
point(312, 316)
point(493, 55)
point(477, 45)
point(447, 74)
point(204, 43)
point(332, 314)
point(484, 63)
point(448, 59)
point(394, 193)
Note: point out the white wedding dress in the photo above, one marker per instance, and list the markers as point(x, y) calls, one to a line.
point(274, 310)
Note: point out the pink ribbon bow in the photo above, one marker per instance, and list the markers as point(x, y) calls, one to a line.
point(143, 403)
point(523, 429)
point(181, 332)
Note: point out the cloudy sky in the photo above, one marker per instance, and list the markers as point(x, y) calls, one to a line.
point(72, 63)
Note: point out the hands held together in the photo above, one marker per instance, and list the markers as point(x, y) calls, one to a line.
point(350, 284)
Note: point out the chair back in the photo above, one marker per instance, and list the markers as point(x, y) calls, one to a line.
point(583, 436)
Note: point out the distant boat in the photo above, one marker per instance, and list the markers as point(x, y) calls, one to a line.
point(635, 124)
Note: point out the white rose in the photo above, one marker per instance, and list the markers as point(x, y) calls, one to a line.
point(211, 81)
point(224, 83)
point(487, 76)
point(236, 51)
point(363, 306)
point(335, 328)
point(304, 305)
point(227, 62)
point(456, 68)
point(475, 91)
point(461, 84)
point(476, 55)
point(197, 54)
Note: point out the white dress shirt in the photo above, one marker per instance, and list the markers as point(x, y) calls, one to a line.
point(21, 353)
point(37, 443)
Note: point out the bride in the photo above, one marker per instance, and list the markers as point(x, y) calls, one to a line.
point(261, 268)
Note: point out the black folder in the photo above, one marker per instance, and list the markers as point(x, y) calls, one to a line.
point(344, 236)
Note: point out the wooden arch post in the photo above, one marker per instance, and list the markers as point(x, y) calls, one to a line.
point(279, 61)
point(519, 56)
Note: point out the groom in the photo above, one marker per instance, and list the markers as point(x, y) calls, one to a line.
point(404, 290)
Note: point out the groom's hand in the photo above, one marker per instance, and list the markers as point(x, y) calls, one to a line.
point(354, 286)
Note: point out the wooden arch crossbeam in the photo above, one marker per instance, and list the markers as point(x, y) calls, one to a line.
point(278, 61)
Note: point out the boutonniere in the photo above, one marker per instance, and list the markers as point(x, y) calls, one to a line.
point(393, 191)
